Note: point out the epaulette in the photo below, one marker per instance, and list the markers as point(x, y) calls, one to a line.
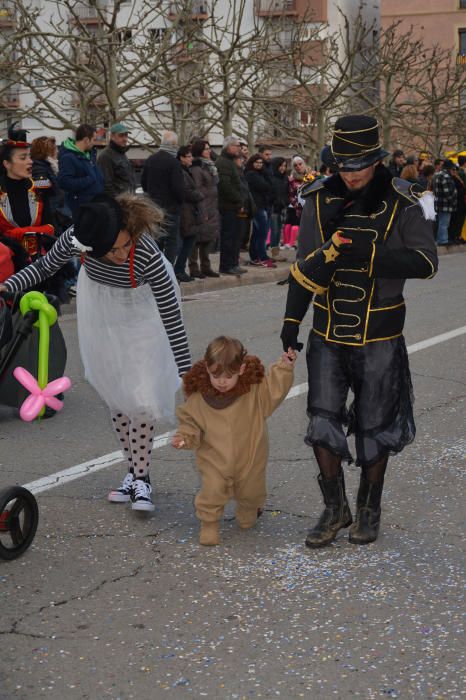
point(309, 187)
point(415, 194)
point(410, 190)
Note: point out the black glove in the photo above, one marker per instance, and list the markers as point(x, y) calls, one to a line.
point(360, 250)
point(289, 336)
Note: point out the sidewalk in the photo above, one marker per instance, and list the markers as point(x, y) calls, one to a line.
point(256, 275)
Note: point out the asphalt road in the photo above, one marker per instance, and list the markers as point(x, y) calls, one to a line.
point(106, 604)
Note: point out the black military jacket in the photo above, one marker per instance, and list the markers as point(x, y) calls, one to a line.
point(365, 303)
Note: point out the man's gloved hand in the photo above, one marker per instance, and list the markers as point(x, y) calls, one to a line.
point(289, 336)
point(359, 249)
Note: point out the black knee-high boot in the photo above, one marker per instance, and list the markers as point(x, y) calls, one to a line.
point(336, 515)
point(365, 529)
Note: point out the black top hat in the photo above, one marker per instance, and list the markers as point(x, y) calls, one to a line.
point(355, 142)
point(97, 225)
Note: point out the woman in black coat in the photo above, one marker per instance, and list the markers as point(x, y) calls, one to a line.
point(190, 215)
point(280, 186)
point(259, 186)
point(205, 177)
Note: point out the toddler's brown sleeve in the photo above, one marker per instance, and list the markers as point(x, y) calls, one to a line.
point(275, 386)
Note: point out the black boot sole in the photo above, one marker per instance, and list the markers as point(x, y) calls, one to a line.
point(362, 542)
point(318, 545)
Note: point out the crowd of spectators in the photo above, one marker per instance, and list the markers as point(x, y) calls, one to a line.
point(234, 202)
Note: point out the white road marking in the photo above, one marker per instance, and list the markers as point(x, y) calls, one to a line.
point(108, 460)
point(436, 339)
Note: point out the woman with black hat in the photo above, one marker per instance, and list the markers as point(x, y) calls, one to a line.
point(131, 334)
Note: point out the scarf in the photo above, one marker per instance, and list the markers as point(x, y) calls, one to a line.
point(210, 165)
point(54, 164)
point(172, 150)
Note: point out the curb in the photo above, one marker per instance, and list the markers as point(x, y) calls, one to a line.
point(258, 276)
point(454, 248)
point(252, 276)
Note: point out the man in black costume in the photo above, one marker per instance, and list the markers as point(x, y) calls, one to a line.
point(362, 234)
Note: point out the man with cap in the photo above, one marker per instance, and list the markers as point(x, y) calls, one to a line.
point(117, 170)
point(362, 234)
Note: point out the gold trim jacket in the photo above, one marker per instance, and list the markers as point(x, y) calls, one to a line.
point(363, 302)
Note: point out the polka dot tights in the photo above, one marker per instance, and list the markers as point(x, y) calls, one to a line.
point(135, 436)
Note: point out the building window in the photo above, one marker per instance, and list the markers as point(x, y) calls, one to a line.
point(462, 100)
point(462, 4)
point(157, 34)
point(124, 36)
point(462, 41)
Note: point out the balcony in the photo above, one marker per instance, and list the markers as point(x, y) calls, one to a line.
point(7, 13)
point(461, 59)
point(89, 14)
point(198, 11)
point(8, 60)
point(97, 101)
point(9, 99)
point(276, 8)
point(187, 52)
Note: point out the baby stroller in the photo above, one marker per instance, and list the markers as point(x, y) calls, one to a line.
point(19, 514)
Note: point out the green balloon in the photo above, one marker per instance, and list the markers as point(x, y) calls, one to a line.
point(47, 316)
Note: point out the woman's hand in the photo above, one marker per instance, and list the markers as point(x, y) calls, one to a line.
point(178, 442)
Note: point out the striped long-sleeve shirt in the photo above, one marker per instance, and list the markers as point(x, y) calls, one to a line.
point(149, 268)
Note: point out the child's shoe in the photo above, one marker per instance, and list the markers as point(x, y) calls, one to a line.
point(123, 494)
point(209, 534)
point(247, 517)
point(141, 495)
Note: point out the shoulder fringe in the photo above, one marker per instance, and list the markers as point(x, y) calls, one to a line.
point(426, 200)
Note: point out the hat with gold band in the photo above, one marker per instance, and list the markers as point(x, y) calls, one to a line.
point(355, 142)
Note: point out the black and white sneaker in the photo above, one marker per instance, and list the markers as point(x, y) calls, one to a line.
point(123, 494)
point(141, 495)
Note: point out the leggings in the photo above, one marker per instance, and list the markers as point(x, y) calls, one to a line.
point(136, 436)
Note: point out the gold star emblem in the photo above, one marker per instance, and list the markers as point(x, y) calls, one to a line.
point(330, 254)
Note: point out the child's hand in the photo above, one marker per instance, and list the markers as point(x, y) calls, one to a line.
point(289, 358)
point(178, 442)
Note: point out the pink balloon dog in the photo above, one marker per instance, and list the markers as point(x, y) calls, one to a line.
point(39, 398)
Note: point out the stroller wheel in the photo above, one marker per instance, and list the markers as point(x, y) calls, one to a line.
point(19, 516)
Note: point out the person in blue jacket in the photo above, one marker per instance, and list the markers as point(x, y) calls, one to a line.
point(78, 175)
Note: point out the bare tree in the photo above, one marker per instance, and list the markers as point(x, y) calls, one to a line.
point(432, 116)
point(95, 59)
point(321, 73)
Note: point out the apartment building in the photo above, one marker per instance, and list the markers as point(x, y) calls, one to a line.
point(436, 23)
point(442, 23)
point(205, 16)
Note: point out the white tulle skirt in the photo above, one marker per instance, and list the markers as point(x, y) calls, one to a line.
point(125, 349)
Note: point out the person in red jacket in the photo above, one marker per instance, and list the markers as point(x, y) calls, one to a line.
point(24, 208)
